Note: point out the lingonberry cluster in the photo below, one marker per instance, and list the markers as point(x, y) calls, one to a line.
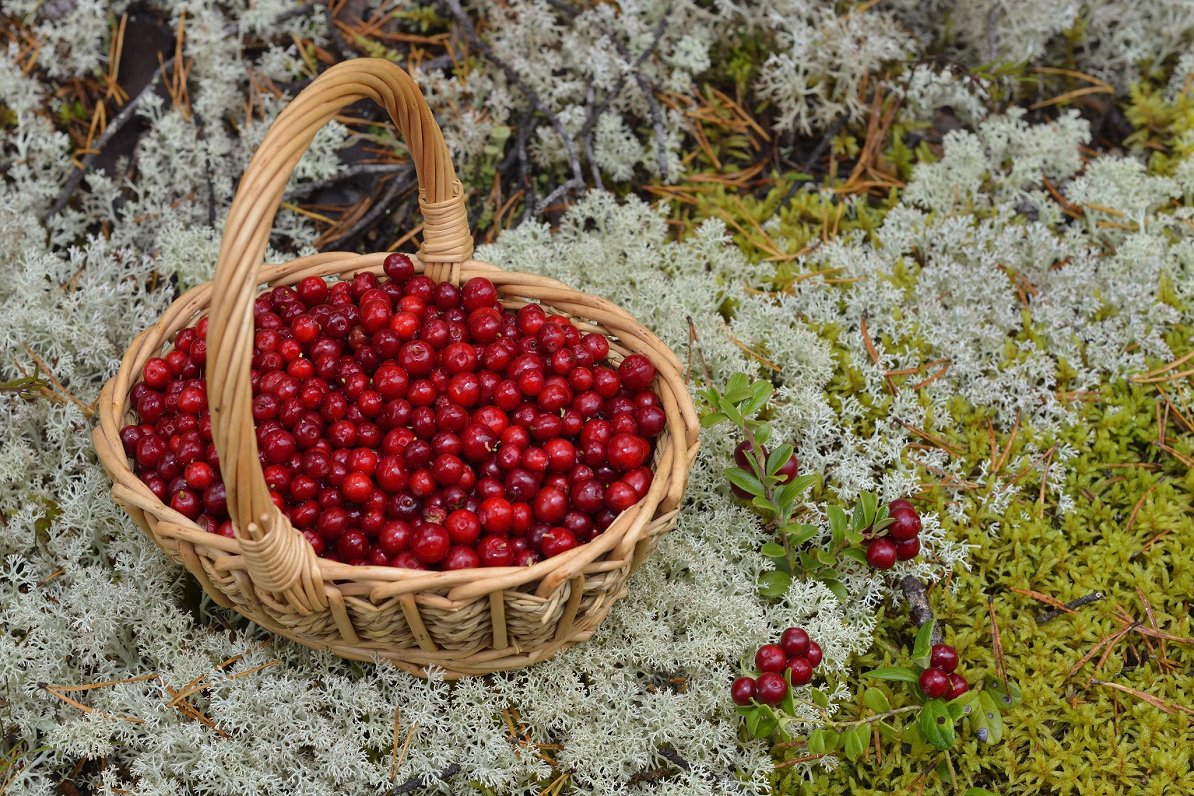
point(795, 652)
point(411, 423)
point(902, 539)
point(940, 679)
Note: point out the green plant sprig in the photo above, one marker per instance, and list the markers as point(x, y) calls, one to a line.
point(743, 403)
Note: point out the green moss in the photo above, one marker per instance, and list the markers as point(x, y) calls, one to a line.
point(1070, 736)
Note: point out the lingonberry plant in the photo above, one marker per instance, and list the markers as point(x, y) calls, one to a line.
point(413, 424)
point(769, 481)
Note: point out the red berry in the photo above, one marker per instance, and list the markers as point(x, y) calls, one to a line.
point(461, 558)
point(957, 686)
point(495, 551)
point(199, 475)
point(557, 540)
point(881, 553)
point(478, 292)
point(394, 537)
point(398, 267)
point(430, 543)
point(934, 683)
point(156, 373)
point(628, 451)
point(944, 657)
point(801, 670)
point(637, 372)
point(550, 505)
point(905, 525)
point(620, 496)
point(907, 549)
point(814, 654)
point(496, 515)
point(899, 505)
point(771, 688)
point(742, 690)
point(795, 642)
point(788, 472)
point(771, 658)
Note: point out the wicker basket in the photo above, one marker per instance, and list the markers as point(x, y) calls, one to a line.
point(466, 622)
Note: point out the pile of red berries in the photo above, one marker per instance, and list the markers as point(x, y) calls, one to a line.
point(939, 679)
point(902, 540)
point(795, 652)
point(411, 423)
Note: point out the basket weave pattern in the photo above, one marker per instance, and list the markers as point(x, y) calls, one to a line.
point(465, 622)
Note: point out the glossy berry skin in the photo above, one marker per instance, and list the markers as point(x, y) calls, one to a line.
point(908, 549)
point(795, 642)
point(637, 372)
point(814, 654)
point(944, 657)
point(742, 690)
point(771, 658)
point(905, 525)
point(899, 505)
point(771, 688)
point(957, 686)
point(801, 671)
point(934, 683)
point(881, 553)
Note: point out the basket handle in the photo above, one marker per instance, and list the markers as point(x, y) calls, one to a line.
point(277, 557)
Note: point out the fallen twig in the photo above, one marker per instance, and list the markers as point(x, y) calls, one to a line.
point(916, 593)
point(1053, 613)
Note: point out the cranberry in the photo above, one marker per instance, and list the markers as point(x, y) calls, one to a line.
point(742, 690)
point(795, 642)
point(943, 657)
point(957, 686)
point(636, 372)
point(495, 551)
point(905, 524)
point(627, 451)
point(478, 292)
point(814, 654)
point(460, 557)
point(463, 526)
point(881, 553)
point(907, 549)
point(771, 688)
point(550, 505)
point(771, 658)
point(557, 540)
point(430, 543)
point(156, 373)
point(934, 683)
point(398, 267)
point(620, 496)
point(801, 671)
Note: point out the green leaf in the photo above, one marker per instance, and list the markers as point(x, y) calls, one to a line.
point(936, 725)
point(833, 740)
point(916, 739)
point(744, 480)
point(876, 700)
point(838, 588)
point(901, 673)
point(712, 419)
point(854, 741)
point(944, 773)
point(774, 583)
point(773, 550)
point(819, 698)
point(869, 504)
point(764, 505)
point(778, 457)
point(838, 522)
point(816, 742)
point(858, 519)
point(963, 706)
point(979, 792)
point(924, 644)
point(856, 553)
point(853, 537)
point(738, 388)
point(888, 732)
point(1005, 696)
point(762, 432)
point(761, 723)
point(731, 411)
point(760, 395)
point(799, 534)
point(988, 708)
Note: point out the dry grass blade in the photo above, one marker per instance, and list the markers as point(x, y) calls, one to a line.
point(66, 689)
point(1139, 505)
point(87, 708)
point(1160, 704)
point(1108, 641)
